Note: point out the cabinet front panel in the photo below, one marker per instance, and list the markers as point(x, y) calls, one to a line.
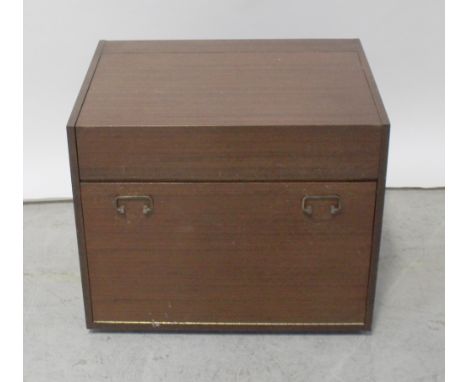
point(235, 254)
point(240, 153)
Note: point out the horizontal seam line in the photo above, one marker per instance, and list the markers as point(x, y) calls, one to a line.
point(156, 323)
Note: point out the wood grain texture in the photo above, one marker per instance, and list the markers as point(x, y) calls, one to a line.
point(225, 153)
point(374, 90)
point(377, 231)
point(248, 116)
point(381, 182)
point(232, 46)
point(235, 253)
point(229, 84)
point(75, 179)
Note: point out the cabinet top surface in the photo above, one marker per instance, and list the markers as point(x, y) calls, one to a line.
point(230, 83)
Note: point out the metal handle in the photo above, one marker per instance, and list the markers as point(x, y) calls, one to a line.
point(334, 208)
point(148, 206)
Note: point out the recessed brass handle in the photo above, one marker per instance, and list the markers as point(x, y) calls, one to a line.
point(148, 205)
point(334, 208)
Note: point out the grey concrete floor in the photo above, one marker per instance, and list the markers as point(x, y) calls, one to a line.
point(407, 343)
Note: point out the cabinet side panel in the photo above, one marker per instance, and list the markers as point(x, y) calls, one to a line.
point(79, 224)
point(85, 86)
point(373, 86)
point(377, 232)
point(75, 179)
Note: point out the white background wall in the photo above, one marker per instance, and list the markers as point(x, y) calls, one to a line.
point(403, 40)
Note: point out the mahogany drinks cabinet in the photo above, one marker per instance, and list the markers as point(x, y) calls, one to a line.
point(229, 185)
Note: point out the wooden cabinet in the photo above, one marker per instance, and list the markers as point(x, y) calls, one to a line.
point(229, 185)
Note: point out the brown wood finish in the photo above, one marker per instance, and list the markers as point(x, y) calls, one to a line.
point(232, 46)
point(215, 116)
point(174, 87)
point(381, 181)
point(75, 179)
point(225, 153)
point(377, 232)
point(229, 253)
